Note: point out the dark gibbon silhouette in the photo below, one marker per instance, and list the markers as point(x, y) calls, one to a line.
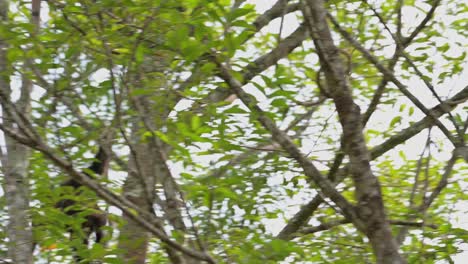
point(97, 219)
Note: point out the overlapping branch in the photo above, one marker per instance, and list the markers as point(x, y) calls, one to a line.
point(134, 212)
point(287, 144)
point(303, 215)
point(264, 62)
point(391, 77)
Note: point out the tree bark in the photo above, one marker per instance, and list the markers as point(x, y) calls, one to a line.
point(134, 239)
point(371, 218)
point(15, 165)
point(147, 167)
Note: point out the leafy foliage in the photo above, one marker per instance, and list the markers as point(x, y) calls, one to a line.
point(93, 60)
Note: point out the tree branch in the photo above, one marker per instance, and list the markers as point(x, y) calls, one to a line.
point(329, 225)
point(131, 210)
point(283, 139)
point(263, 62)
point(306, 211)
point(388, 74)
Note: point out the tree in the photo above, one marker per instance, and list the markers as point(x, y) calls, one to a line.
point(225, 127)
point(15, 161)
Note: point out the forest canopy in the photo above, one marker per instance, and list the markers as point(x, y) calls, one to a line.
point(253, 131)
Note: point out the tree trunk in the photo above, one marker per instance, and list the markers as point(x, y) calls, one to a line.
point(371, 218)
point(15, 164)
point(133, 240)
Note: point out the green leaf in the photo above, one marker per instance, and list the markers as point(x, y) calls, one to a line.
point(395, 120)
point(195, 122)
point(444, 48)
point(235, 110)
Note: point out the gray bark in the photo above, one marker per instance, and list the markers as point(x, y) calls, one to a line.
point(15, 164)
point(371, 218)
point(147, 167)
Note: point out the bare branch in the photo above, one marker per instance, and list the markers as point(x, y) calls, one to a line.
point(443, 181)
point(277, 10)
